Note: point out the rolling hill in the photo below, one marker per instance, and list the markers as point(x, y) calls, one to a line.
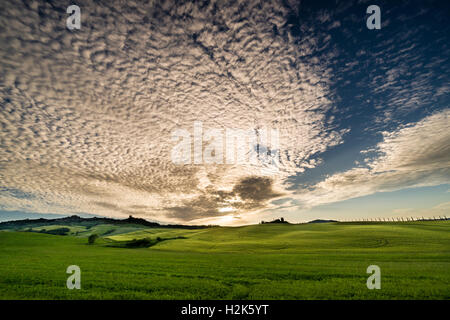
point(267, 261)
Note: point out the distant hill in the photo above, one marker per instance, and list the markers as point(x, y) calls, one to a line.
point(321, 221)
point(281, 220)
point(77, 220)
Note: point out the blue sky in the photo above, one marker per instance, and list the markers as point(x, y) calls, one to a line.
point(412, 45)
point(410, 202)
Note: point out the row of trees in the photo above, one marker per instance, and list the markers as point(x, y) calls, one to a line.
point(396, 219)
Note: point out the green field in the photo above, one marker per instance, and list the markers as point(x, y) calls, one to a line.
point(270, 261)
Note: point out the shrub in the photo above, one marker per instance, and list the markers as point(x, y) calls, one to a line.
point(140, 243)
point(58, 231)
point(92, 238)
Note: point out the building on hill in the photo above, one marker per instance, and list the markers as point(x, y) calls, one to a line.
point(280, 220)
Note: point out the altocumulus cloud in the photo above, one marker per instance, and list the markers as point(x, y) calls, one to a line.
point(86, 116)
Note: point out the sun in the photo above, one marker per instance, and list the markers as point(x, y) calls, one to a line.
point(225, 220)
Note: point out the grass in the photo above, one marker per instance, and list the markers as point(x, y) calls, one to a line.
point(84, 229)
point(271, 261)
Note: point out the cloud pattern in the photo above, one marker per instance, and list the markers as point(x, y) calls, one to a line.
point(87, 115)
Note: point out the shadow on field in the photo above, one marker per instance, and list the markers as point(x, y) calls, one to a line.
point(141, 243)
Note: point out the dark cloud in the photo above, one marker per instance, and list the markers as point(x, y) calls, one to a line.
point(249, 193)
point(255, 189)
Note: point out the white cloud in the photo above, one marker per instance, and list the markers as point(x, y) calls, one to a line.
point(415, 155)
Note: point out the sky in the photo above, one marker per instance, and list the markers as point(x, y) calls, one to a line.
point(95, 120)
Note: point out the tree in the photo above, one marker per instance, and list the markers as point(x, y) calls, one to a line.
point(92, 238)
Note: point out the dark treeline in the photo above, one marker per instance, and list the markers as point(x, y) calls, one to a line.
point(94, 221)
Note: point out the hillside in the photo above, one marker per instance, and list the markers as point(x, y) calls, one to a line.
point(269, 261)
point(79, 226)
